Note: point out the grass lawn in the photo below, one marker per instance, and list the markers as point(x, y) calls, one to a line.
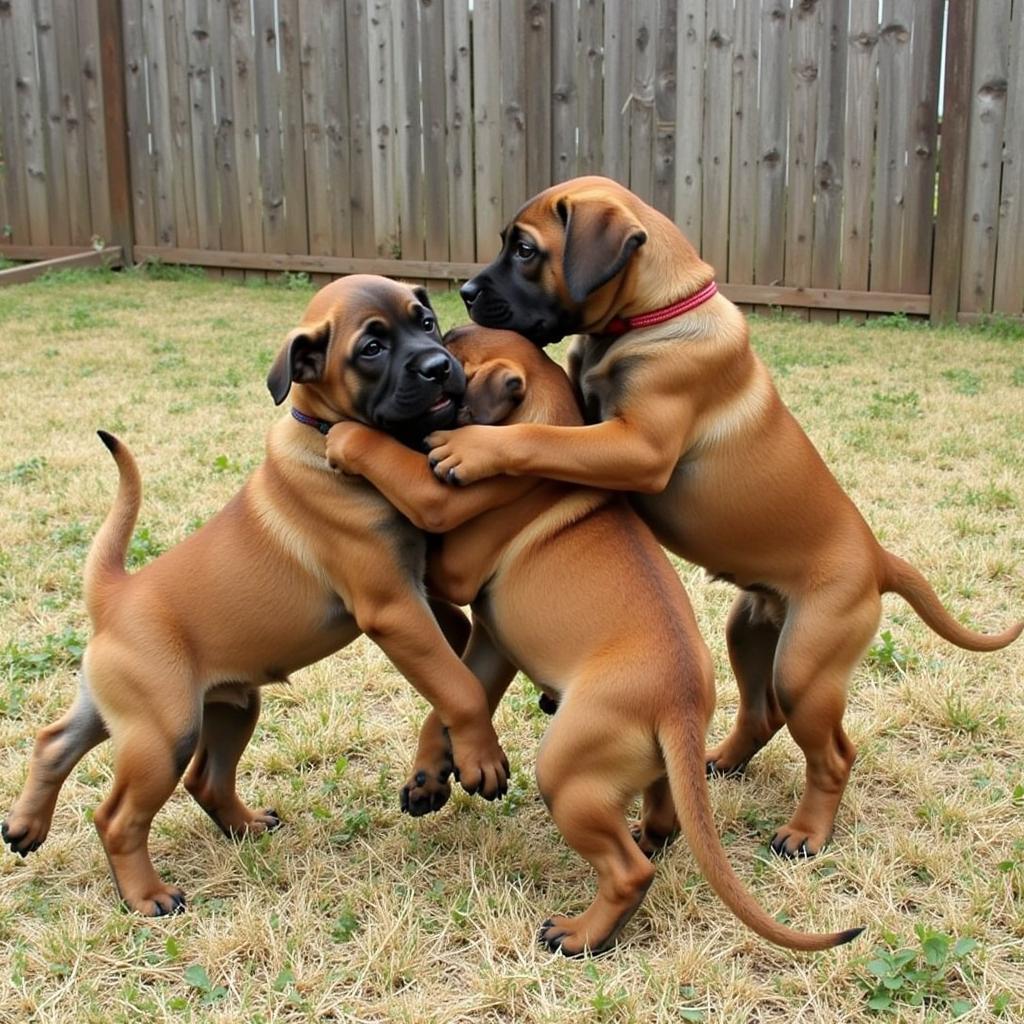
point(354, 912)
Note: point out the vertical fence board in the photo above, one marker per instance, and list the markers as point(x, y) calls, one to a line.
point(459, 131)
point(890, 169)
point(52, 125)
point(246, 127)
point(140, 161)
point(859, 145)
point(268, 108)
point(361, 159)
point(773, 144)
point(689, 183)
point(408, 150)
point(956, 105)
point(383, 186)
point(487, 120)
point(293, 153)
point(224, 133)
point(828, 153)
point(513, 112)
point(537, 94)
point(591, 91)
point(201, 122)
point(617, 82)
point(640, 110)
point(30, 123)
point(665, 107)
point(805, 48)
point(1009, 276)
point(988, 110)
point(564, 117)
point(435, 164)
point(923, 117)
point(318, 23)
point(743, 126)
point(169, 204)
point(717, 162)
point(178, 102)
point(15, 227)
point(72, 114)
point(89, 70)
point(337, 126)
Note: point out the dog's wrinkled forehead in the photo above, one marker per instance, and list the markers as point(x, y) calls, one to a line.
point(353, 302)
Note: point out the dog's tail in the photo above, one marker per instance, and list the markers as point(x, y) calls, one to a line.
point(105, 563)
point(682, 745)
point(902, 578)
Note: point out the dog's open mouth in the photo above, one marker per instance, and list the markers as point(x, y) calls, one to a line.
point(442, 403)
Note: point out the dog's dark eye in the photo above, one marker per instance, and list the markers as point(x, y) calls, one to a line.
point(428, 325)
point(524, 251)
point(372, 348)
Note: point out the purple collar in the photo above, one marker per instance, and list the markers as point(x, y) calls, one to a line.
point(311, 421)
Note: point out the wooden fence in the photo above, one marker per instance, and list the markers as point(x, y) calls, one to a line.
point(822, 154)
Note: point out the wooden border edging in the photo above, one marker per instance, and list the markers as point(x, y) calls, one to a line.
point(108, 257)
point(814, 298)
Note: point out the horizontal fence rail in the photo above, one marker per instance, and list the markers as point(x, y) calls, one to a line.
point(824, 155)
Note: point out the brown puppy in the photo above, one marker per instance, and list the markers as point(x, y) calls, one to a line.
point(297, 564)
point(567, 583)
point(685, 413)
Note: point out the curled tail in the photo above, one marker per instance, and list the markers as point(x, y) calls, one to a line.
point(682, 745)
point(105, 562)
point(902, 578)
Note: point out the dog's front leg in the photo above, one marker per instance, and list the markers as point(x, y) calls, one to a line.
point(427, 788)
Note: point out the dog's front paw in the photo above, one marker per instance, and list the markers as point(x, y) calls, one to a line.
point(425, 792)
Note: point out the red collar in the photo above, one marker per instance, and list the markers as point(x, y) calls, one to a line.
point(619, 325)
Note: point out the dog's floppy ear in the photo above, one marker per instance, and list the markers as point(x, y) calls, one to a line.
point(495, 391)
point(301, 360)
point(600, 237)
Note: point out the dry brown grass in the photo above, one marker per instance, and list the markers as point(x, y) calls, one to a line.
point(353, 912)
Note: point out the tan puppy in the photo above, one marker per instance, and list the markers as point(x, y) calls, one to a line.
point(684, 413)
point(567, 583)
point(293, 568)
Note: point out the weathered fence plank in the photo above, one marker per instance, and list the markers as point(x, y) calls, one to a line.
point(773, 144)
point(384, 118)
point(591, 91)
point(16, 225)
point(640, 109)
point(55, 157)
point(435, 165)
point(991, 64)
point(513, 109)
point(716, 145)
point(564, 70)
point(363, 183)
point(72, 73)
point(409, 165)
point(459, 131)
point(30, 116)
point(1009, 277)
point(743, 126)
point(201, 122)
point(487, 123)
point(828, 152)
point(617, 80)
point(665, 106)
point(537, 93)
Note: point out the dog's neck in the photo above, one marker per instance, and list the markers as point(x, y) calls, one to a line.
point(311, 421)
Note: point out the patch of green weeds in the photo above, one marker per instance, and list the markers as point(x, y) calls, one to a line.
point(899, 321)
point(25, 472)
point(1000, 328)
point(1017, 377)
point(892, 405)
point(990, 498)
point(156, 270)
point(920, 976)
point(142, 548)
point(22, 664)
point(889, 657)
point(345, 925)
point(961, 717)
point(198, 978)
point(964, 381)
point(604, 1002)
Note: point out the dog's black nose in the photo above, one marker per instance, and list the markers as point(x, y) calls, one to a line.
point(435, 367)
point(469, 291)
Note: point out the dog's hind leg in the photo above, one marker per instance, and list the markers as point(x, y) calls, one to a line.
point(752, 635)
point(658, 824)
point(824, 637)
point(211, 777)
point(580, 776)
point(58, 748)
point(153, 742)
